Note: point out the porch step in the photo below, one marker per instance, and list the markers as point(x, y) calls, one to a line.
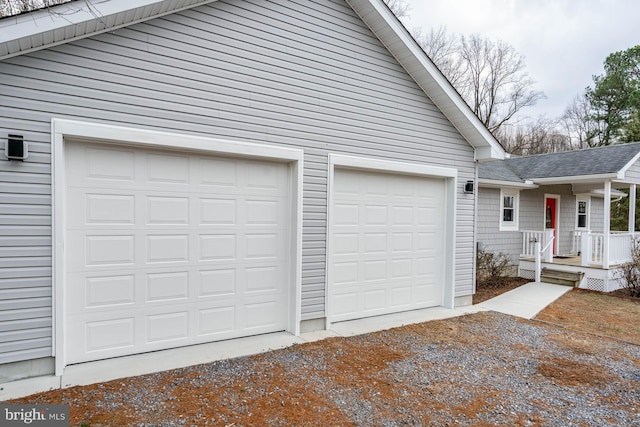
point(568, 278)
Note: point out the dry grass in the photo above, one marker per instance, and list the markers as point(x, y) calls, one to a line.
point(596, 313)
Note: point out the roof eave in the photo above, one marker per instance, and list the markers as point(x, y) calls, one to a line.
point(576, 178)
point(404, 48)
point(495, 183)
point(626, 167)
point(63, 23)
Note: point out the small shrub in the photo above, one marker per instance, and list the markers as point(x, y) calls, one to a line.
point(630, 270)
point(491, 267)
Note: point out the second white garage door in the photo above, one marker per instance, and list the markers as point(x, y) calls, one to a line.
point(386, 243)
point(165, 249)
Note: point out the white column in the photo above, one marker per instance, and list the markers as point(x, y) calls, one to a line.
point(585, 248)
point(632, 208)
point(607, 224)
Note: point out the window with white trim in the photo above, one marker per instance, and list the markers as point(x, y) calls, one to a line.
point(509, 210)
point(582, 213)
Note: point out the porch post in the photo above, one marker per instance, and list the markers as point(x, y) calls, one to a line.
point(585, 248)
point(607, 224)
point(632, 209)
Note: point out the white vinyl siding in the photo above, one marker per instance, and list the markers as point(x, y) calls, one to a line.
point(302, 74)
point(490, 237)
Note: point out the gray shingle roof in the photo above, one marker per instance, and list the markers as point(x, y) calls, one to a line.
point(592, 161)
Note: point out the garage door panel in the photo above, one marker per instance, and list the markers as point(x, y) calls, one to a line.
point(134, 330)
point(102, 164)
point(387, 238)
point(110, 334)
point(165, 169)
point(167, 210)
point(166, 248)
point(167, 327)
point(181, 254)
point(172, 286)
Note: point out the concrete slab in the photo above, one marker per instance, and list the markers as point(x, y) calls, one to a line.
point(158, 361)
point(318, 335)
point(527, 300)
point(28, 386)
point(388, 321)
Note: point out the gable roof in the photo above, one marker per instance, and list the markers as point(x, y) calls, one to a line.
point(64, 23)
point(601, 163)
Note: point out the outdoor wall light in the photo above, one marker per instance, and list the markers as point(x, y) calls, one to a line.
point(16, 148)
point(468, 187)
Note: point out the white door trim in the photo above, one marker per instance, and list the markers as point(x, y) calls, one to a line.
point(115, 134)
point(449, 174)
point(556, 243)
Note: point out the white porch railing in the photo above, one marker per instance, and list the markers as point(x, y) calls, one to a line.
point(529, 239)
point(576, 241)
point(590, 245)
point(593, 248)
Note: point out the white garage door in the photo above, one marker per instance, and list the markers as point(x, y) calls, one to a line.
point(165, 249)
point(387, 240)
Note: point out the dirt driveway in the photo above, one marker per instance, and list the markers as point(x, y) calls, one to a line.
point(482, 369)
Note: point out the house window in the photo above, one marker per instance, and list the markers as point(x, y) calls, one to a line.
point(508, 210)
point(582, 213)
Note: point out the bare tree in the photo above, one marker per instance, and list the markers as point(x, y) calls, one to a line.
point(579, 124)
point(16, 7)
point(535, 137)
point(490, 75)
point(442, 48)
point(400, 8)
point(496, 85)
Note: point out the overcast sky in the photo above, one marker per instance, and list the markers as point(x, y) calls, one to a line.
point(564, 42)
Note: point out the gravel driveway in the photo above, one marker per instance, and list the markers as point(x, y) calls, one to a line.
point(482, 369)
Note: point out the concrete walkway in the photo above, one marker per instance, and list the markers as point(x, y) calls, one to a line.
point(525, 301)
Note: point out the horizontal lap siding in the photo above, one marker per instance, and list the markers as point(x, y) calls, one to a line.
point(25, 253)
point(291, 73)
point(633, 173)
point(490, 238)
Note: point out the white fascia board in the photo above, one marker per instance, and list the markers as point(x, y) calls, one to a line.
point(434, 84)
point(488, 153)
point(626, 167)
point(494, 183)
point(578, 178)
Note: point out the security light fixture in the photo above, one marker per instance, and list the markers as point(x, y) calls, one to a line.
point(16, 148)
point(468, 187)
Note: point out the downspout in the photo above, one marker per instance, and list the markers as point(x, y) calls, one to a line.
point(607, 224)
point(475, 229)
point(632, 209)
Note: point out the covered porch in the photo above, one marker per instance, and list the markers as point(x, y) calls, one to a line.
point(596, 255)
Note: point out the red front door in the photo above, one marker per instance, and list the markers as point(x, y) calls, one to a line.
point(550, 219)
